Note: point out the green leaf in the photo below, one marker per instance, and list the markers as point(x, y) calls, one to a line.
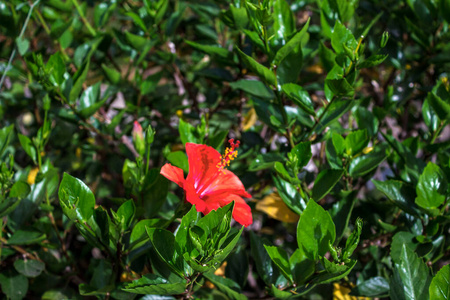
point(126, 214)
point(334, 112)
point(301, 154)
point(262, 260)
point(56, 68)
point(164, 243)
point(89, 100)
point(253, 87)
point(283, 21)
point(188, 133)
point(138, 42)
point(20, 190)
point(263, 73)
point(440, 285)
point(156, 285)
point(432, 187)
point(356, 141)
point(366, 120)
point(5, 137)
point(139, 234)
point(300, 97)
point(30, 267)
point(414, 275)
point(315, 231)
point(154, 193)
point(279, 256)
point(302, 268)
point(23, 45)
point(26, 237)
point(76, 199)
point(112, 74)
point(363, 164)
point(291, 45)
point(441, 107)
point(291, 197)
point(353, 240)
point(14, 286)
point(28, 146)
point(342, 211)
point(342, 36)
point(326, 277)
point(324, 182)
point(372, 287)
point(79, 79)
point(400, 193)
point(340, 87)
point(228, 286)
point(209, 49)
point(372, 61)
point(179, 159)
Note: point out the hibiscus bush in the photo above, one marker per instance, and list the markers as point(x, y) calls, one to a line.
point(224, 149)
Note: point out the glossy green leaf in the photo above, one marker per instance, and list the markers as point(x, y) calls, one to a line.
point(28, 146)
point(340, 87)
point(76, 199)
point(372, 61)
point(302, 268)
point(164, 243)
point(263, 73)
point(342, 36)
point(296, 40)
point(78, 80)
point(315, 231)
point(300, 97)
point(56, 67)
point(279, 256)
point(400, 193)
point(154, 284)
point(111, 74)
point(363, 164)
point(440, 284)
point(209, 49)
point(20, 189)
point(356, 141)
point(414, 275)
point(291, 197)
point(5, 136)
point(262, 260)
point(372, 287)
point(432, 187)
point(126, 213)
point(254, 88)
point(324, 182)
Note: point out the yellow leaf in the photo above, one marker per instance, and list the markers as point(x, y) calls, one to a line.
point(249, 120)
point(32, 175)
point(275, 208)
point(341, 292)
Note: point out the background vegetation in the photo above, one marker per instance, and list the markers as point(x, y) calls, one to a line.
point(342, 110)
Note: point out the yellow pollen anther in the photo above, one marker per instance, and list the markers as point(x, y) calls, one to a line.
point(230, 154)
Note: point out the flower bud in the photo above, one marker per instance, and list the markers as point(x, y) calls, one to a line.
point(138, 138)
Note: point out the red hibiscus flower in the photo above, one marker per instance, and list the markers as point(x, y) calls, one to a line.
point(209, 185)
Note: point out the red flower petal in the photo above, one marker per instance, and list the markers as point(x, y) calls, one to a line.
point(173, 173)
point(223, 183)
point(203, 162)
point(192, 197)
point(242, 213)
